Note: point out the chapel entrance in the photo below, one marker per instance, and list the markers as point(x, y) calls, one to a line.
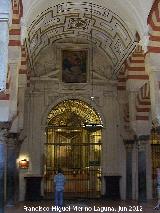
point(74, 144)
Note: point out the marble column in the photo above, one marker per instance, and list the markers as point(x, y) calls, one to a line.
point(4, 39)
point(129, 148)
point(3, 135)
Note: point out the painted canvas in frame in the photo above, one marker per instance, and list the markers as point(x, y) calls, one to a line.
point(74, 66)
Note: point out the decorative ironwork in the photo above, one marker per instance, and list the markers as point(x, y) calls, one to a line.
point(155, 147)
point(74, 149)
point(73, 113)
point(78, 153)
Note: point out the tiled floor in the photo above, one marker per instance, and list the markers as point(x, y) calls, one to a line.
point(96, 206)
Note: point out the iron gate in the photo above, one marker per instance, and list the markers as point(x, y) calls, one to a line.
point(155, 147)
point(78, 153)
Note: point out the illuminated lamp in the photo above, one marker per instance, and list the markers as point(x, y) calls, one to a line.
point(23, 164)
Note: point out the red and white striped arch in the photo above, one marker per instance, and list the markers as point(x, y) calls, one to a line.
point(136, 65)
point(15, 30)
point(122, 78)
point(23, 70)
point(154, 24)
point(133, 69)
point(14, 42)
point(143, 103)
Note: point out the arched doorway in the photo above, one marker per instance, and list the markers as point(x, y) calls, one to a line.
point(74, 144)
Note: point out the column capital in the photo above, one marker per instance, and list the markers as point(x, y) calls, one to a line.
point(4, 127)
point(141, 142)
point(12, 139)
point(129, 144)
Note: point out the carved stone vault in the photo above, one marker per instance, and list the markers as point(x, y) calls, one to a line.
point(75, 20)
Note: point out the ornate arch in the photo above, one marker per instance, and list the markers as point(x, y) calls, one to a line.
point(55, 102)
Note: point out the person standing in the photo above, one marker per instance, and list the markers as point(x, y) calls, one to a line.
point(59, 181)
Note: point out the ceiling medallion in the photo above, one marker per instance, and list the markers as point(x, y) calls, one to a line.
point(78, 23)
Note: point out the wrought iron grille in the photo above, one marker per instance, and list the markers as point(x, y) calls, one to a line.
point(78, 153)
point(74, 148)
point(155, 147)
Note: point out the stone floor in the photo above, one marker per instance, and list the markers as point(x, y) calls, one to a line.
point(85, 206)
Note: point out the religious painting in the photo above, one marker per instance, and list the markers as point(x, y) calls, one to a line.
point(74, 66)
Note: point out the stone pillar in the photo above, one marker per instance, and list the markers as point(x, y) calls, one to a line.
point(142, 179)
point(4, 38)
point(11, 169)
point(129, 174)
point(142, 165)
point(3, 134)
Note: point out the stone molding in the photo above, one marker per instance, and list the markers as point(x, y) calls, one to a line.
point(4, 125)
